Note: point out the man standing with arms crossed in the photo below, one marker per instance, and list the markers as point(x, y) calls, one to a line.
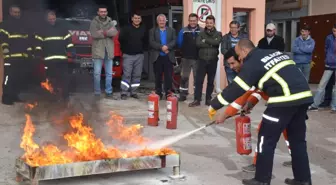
point(102, 30)
point(132, 39)
point(186, 40)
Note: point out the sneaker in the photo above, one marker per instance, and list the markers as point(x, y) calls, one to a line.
point(253, 182)
point(312, 108)
point(250, 168)
point(124, 97)
point(333, 111)
point(287, 163)
point(109, 95)
point(135, 96)
point(294, 182)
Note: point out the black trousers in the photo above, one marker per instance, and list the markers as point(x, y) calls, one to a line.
point(58, 75)
point(163, 66)
point(275, 121)
point(208, 68)
point(16, 76)
point(328, 92)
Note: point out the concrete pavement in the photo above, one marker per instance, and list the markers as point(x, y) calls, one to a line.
point(208, 157)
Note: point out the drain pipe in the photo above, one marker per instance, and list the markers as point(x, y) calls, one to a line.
point(218, 27)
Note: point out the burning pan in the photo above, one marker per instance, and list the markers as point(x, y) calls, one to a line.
point(85, 168)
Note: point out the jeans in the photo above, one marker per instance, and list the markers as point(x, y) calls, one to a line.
point(318, 98)
point(305, 69)
point(230, 74)
point(97, 66)
point(208, 68)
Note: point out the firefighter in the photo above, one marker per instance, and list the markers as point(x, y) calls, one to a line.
point(53, 42)
point(274, 73)
point(14, 38)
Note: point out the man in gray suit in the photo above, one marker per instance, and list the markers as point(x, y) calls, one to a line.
point(162, 41)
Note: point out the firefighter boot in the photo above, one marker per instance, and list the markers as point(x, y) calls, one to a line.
point(254, 182)
point(294, 182)
point(7, 99)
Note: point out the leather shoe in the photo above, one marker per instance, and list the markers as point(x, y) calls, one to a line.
point(195, 103)
point(295, 182)
point(254, 182)
point(135, 96)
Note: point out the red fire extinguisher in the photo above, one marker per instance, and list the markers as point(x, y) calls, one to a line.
point(172, 111)
point(153, 109)
point(243, 134)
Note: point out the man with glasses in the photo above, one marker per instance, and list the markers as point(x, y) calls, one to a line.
point(229, 41)
point(271, 40)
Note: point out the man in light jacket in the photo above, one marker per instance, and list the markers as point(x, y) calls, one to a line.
point(103, 30)
point(303, 48)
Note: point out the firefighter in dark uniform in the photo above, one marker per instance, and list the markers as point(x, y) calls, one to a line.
point(52, 43)
point(274, 73)
point(15, 44)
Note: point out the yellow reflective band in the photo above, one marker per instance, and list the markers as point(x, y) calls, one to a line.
point(38, 37)
point(221, 100)
point(283, 84)
point(18, 36)
point(53, 38)
point(56, 57)
point(6, 56)
point(275, 69)
point(29, 49)
point(67, 36)
point(4, 44)
point(4, 31)
point(38, 48)
point(17, 55)
point(292, 97)
point(70, 45)
point(241, 83)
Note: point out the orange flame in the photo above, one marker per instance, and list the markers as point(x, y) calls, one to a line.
point(83, 145)
point(47, 85)
point(30, 106)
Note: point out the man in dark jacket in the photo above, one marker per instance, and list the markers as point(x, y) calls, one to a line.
point(162, 40)
point(229, 41)
point(132, 39)
point(186, 40)
point(271, 40)
point(208, 42)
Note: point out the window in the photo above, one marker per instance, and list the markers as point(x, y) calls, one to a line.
point(280, 27)
point(243, 18)
point(288, 37)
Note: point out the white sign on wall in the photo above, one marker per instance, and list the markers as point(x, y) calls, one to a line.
point(204, 8)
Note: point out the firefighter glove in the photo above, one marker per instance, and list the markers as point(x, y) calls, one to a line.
point(212, 112)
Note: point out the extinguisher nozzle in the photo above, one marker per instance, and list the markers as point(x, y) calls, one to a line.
point(209, 124)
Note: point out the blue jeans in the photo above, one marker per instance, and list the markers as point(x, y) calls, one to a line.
point(230, 74)
point(305, 69)
point(318, 98)
point(97, 66)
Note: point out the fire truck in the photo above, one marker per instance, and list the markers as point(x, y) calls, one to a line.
point(81, 38)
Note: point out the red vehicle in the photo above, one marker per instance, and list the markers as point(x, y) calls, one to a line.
point(81, 38)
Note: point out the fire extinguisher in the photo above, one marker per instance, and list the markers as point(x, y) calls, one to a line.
point(243, 134)
point(172, 111)
point(153, 109)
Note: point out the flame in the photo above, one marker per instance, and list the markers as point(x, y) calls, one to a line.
point(47, 85)
point(83, 145)
point(30, 106)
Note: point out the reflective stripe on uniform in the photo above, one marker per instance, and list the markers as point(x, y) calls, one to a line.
point(29, 49)
point(16, 55)
point(18, 36)
point(38, 37)
point(56, 57)
point(6, 80)
point(135, 85)
point(270, 118)
point(241, 83)
point(291, 97)
point(4, 44)
point(257, 95)
point(275, 69)
point(261, 144)
point(38, 48)
point(221, 100)
point(183, 89)
point(7, 64)
point(125, 84)
point(70, 45)
point(67, 36)
point(4, 31)
point(283, 84)
point(53, 38)
point(236, 105)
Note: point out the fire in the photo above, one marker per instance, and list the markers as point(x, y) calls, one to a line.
point(83, 145)
point(30, 106)
point(47, 85)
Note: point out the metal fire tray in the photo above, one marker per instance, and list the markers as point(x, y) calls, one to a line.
point(86, 168)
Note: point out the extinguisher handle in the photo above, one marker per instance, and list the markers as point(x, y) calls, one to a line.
point(209, 124)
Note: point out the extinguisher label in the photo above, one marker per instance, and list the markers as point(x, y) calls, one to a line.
point(150, 114)
point(247, 128)
point(169, 105)
point(151, 105)
point(247, 144)
point(169, 116)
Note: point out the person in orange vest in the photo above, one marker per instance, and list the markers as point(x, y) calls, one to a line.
point(246, 103)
